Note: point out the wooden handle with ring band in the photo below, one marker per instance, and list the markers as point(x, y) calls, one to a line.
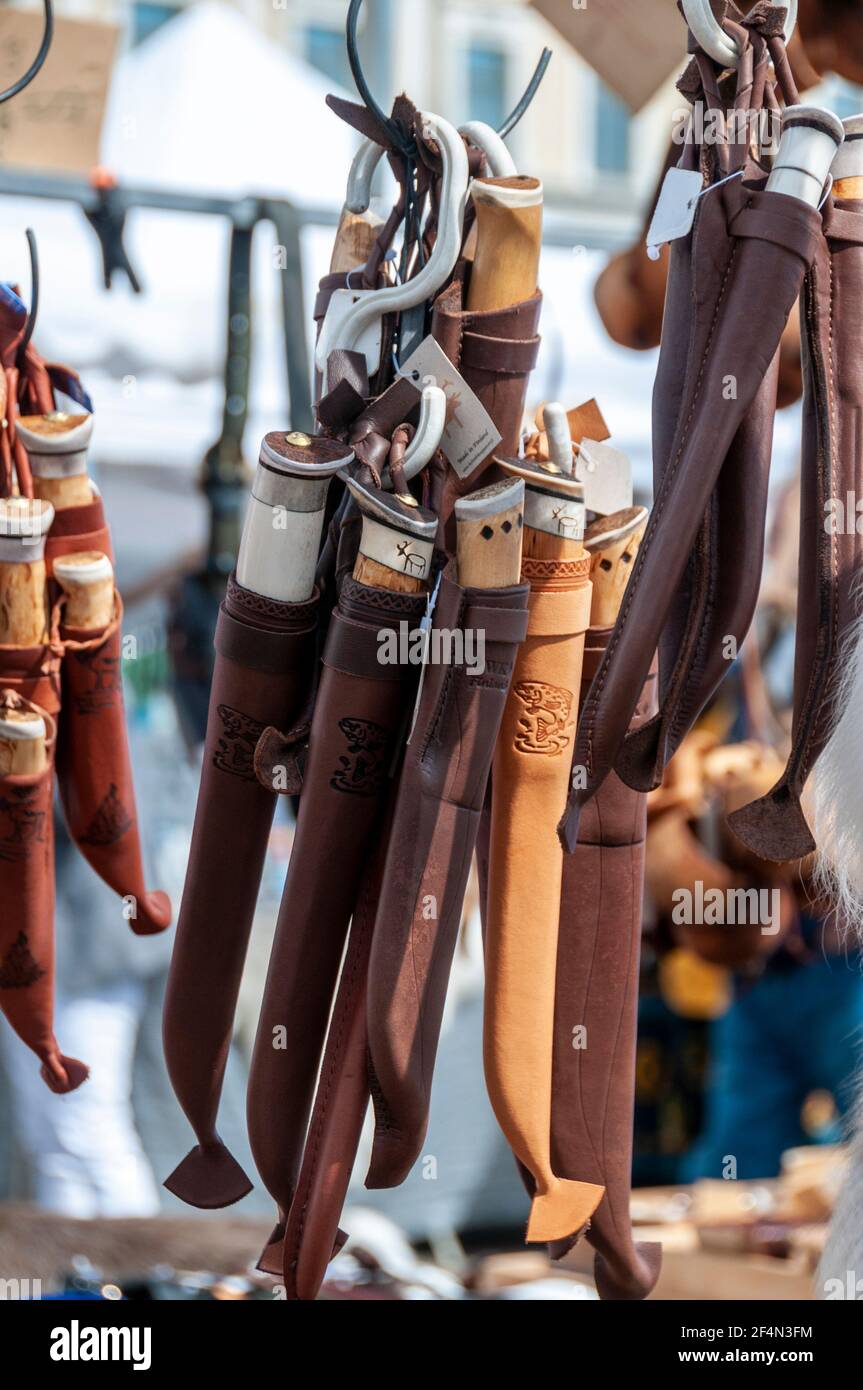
point(613, 543)
point(285, 518)
point(397, 542)
point(57, 445)
point(24, 612)
point(847, 167)
point(87, 580)
point(508, 242)
point(489, 534)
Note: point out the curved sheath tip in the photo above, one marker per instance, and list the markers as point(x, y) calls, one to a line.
point(774, 827)
point(391, 1161)
point(566, 1207)
point(63, 1074)
point(154, 914)
point(273, 1255)
point(629, 1283)
point(638, 763)
point(209, 1178)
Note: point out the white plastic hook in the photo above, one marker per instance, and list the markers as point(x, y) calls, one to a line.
point(500, 162)
point(358, 194)
point(429, 431)
point(557, 431)
point(396, 298)
point(713, 38)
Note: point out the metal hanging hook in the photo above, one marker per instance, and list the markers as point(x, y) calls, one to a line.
point(396, 134)
point(47, 38)
point(34, 291)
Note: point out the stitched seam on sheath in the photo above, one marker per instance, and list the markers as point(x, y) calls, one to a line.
point(659, 508)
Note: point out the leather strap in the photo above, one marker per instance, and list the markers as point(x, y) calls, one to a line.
point(255, 648)
point(498, 624)
point(765, 218)
point(348, 650)
point(843, 224)
point(513, 356)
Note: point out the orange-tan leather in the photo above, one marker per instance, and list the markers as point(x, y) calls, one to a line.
point(530, 780)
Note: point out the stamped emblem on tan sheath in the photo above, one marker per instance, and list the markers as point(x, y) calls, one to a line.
point(235, 750)
point(362, 767)
point(545, 726)
point(111, 821)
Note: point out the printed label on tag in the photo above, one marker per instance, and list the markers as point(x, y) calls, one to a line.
point(370, 342)
point(469, 434)
point(607, 477)
point(675, 211)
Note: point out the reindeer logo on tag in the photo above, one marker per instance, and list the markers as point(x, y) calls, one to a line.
point(545, 725)
point(362, 767)
point(235, 750)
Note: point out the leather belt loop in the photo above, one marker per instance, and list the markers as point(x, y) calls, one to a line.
point(514, 356)
point(255, 647)
point(761, 220)
point(498, 624)
point(347, 649)
point(841, 224)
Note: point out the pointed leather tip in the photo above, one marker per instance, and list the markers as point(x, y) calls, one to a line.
point(567, 830)
point(272, 1260)
point(638, 763)
point(390, 1163)
point(630, 1281)
point(63, 1074)
point(774, 827)
point(566, 1207)
point(154, 914)
point(209, 1177)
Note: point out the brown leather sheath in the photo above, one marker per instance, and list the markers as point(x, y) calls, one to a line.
point(94, 771)
point(831, 555)
point(441, 793)
point(495, 351)
point(27, 882)
point(530, 779)
point(596, 1016)
point(360, 710)
point(264, 668)
point(751, 251)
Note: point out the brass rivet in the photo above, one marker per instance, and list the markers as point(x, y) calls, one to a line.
point(298, 439)
point(548, 467)
point(60, 416)
point(407, 498)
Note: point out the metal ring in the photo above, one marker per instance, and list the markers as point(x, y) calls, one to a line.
point(713, 38)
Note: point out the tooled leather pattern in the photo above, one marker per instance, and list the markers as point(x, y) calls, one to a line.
point(555, 569)
point(268, 612)
point(110, 823)
point(102, 669)
point(19, 969)
point(21, 826)
point(234, 751)
point(545, 726)
point(362, 767)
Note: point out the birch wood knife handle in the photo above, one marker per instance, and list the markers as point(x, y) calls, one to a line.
point(508, 242)
point(57, 445)
point(613, 542)
point(847, 167)
point(489, 534)
point(87, 580)
point(23, 743)
point(397, 541)
point(24, 615)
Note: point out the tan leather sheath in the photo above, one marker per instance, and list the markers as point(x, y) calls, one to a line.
point(530, 780)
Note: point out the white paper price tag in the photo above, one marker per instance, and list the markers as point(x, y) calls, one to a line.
point(469, 434)
point(675, 211)
point(607, 477)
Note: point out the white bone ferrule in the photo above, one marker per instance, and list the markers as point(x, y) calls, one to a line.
point(24, 524)
point(848, 163)
point(57, 455)
point(811, 136)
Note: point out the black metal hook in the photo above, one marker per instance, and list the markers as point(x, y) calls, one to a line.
point(47, 38)
point(396, 134)
point(527, 96)
point(34, 291)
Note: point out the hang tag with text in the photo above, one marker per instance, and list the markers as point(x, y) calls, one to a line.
point(469, 433)
point(674, 213)
point(607, 477)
